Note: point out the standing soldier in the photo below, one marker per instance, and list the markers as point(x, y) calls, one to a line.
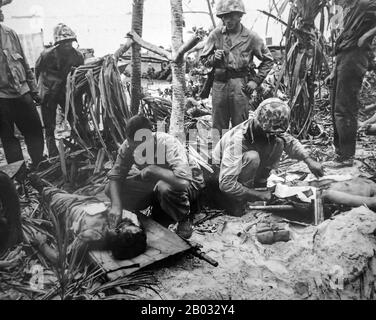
point(18, 91)
point(52, 69)
point(230, 50)
point(353, 48)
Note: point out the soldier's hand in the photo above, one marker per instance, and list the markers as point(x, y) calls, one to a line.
point(114, 217)
point(250, 87)
point(265, 196)
point(219, 55)
point(316, 168)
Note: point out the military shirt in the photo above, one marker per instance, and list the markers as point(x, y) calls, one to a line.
point(166, 152)
point(359, 18)
point(16, 77)
point(239, 52)
point(52, 70)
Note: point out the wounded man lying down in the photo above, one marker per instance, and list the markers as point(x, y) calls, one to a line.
point(86, 220)
point(352, 193)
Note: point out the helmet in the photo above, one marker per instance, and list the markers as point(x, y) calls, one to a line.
point(62, 32)
point(5, 2)
point(228, 6)
point(273, 115)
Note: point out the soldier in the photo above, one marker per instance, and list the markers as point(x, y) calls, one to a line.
point(18, 92)
point(167, 178)
point(247, 154)
point(52, 69)
point(353, 48)
point(230, 49)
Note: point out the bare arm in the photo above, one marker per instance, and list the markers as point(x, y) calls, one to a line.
point(346, 199)
point(267, 63)
point(208, 54)
point(115, 212)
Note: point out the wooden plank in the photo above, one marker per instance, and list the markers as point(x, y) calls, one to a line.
point(319, 209)
point(161, 244)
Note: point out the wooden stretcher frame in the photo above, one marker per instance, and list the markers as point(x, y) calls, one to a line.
point(161, 244)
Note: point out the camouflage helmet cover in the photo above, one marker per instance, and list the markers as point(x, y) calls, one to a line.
point(228, 6)
point(62, 33)
point(273, 116)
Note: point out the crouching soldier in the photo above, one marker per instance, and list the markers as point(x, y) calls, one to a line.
point(246, 155)
point(87, 222)
point(163, 174)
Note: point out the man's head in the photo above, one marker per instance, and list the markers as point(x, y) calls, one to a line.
point(127, 241)
point(273, 116)
point(230, 12)
point(64, 36)
point(138, 127)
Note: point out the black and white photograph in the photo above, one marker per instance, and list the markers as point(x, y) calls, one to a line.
point(185, 155)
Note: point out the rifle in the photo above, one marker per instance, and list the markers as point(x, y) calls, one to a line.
point(196, 251)
point(205, 92)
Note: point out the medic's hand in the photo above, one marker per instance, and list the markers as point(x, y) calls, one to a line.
point(316, 168)
point(265, 196)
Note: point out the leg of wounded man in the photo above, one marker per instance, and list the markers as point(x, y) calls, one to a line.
point(342, 198)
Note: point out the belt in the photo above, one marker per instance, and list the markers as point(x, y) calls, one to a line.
point(223, 75)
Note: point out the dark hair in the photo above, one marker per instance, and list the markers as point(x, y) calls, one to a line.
point(127, 241)
point(136, 123)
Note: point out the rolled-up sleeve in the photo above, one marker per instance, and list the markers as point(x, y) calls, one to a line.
point(293, 148)
point(207, 55)
point(176, 158)
point(123, 163)
point(262, 52)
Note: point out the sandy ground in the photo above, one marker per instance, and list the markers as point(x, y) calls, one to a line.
point(335, 260)
point(311, 266)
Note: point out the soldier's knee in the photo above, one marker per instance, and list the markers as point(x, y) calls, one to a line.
point(251, 158)
point(163, 188)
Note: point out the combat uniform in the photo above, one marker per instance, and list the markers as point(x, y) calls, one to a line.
point(52, 70)
point(244, 158)
point(169, 154)
point(17, 91)
point(352, 63)
point(234, 72)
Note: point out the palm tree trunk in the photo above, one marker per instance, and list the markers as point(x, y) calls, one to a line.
point(178, 72)
point(137, 20)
